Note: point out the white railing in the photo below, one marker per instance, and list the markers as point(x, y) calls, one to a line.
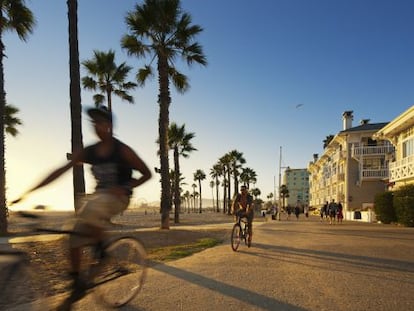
point(402, 169)
point(374, 174)
point(372, 150)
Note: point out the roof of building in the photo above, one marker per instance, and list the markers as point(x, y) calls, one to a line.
point(366, 127)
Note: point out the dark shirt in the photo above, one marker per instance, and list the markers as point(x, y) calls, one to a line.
point(110, 170)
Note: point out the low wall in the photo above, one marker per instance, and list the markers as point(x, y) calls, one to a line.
point(364, 216)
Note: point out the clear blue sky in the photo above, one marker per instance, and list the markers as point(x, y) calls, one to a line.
point(265, 58)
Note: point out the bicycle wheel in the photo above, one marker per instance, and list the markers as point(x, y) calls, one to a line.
point(18, 288)
point(236, 237)
point(121, 273)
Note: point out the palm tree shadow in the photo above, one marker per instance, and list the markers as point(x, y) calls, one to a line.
point(361, 261)
point(249, 297)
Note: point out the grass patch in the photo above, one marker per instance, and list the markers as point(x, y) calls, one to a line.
point(169, 253)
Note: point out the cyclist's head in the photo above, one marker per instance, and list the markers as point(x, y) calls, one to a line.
point(100, 114)
point(243, 189)
point(102, 121)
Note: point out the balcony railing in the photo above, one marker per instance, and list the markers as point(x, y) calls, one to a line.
point(402, 169)
point(371, 150)
point(374, 173)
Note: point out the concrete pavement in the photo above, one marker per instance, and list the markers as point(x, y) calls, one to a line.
point(292, 265)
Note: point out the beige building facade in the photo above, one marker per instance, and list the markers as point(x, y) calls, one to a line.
point(352, 169)
point(400, 132)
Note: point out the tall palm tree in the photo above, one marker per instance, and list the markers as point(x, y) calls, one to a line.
point(15, 17)
point(186, 197)
point(199, 175)
point(212, 191)
point(180, 142)
point(11, 121)
point(237, 160)
point(225, 161)
point(216, 172)
point(75, 99)
point(160, 30)
point(194, 186)
point(108, 78)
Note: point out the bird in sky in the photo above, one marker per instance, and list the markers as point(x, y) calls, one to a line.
point(298, 106)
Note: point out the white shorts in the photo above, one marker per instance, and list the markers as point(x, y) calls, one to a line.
point(99, 207)
point(96, 210)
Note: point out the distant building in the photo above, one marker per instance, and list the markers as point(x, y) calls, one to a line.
point(297, 182)
point(352, 169)
point(400, 132)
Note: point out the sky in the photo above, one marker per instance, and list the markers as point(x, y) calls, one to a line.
point(280, 74)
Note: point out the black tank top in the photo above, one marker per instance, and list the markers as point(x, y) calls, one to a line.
point(111, 170)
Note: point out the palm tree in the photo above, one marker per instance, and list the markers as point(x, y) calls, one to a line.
point(11, 121)
point(212, 191)
point(110, 78)
point(75, 99)
point(215, 172)
point(237, 160)
point(255, 192)
point(194, 186)
point(199, 175)
point(16, 17)
point(187, 196)
point(226, 163)
point(161, 30)
point(284, 193)
point(248, 176)
point(180, 142)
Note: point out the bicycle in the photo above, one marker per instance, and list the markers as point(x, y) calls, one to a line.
point(115, 273)
point(240, 231)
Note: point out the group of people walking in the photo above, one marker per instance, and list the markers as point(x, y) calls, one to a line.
point(332, 211)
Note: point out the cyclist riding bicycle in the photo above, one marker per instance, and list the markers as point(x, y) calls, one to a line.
point(113, 163)
point(242, 206)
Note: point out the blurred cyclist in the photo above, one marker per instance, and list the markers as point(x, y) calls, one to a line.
point(112, 164)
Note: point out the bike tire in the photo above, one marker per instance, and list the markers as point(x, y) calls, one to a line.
point(236, 233)
point(121, 273)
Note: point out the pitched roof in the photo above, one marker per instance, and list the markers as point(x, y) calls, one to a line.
point(365, 127)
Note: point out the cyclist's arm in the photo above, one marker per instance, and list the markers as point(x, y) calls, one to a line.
point(136, 163)
point(77, 158)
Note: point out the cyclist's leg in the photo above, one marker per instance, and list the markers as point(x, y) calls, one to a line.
point(250, 224)
point(95, 212)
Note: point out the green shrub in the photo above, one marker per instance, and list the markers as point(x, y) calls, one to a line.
point(404, 205)
point(384, 208)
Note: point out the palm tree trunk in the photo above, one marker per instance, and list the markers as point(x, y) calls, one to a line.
point(3, 206)
point(75, 99)
point(229, 193)
point(164, 101)
point(224, 196)
point(201, 200)
point(177, 197)
point(217, 196)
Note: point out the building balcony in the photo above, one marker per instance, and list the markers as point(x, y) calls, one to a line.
point(402, 169)
point(363, 151)
point(368, 174)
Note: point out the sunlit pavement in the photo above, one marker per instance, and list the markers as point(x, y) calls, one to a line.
point(292, 265)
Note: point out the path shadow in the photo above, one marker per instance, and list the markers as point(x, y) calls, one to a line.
point(247, 296)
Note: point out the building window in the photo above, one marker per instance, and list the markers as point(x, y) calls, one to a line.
point(408, 147)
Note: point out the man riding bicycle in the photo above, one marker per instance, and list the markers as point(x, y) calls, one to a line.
point(112, 163)
point(243, 207)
